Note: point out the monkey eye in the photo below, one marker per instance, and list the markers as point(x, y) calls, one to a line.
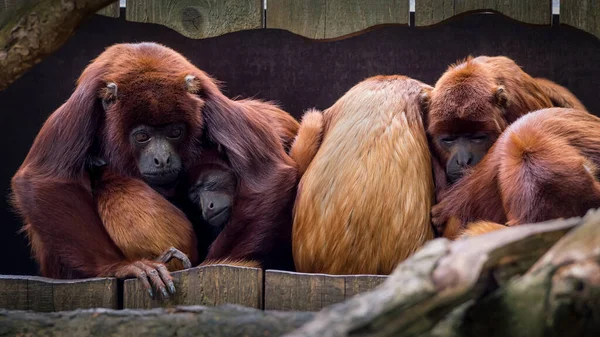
point(141, 137)
point(478, 138)
point(448, 140)
point(175, 133)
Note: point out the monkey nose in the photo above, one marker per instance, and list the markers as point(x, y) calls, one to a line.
point(162, 162)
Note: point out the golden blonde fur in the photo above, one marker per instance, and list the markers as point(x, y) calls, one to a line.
point(143, 232)
point(307, 140)
point(364, 202)
point(480, 227)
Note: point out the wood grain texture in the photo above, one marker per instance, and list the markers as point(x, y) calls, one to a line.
point(209, 286)
point(198, 19)
point(319, 19)
point(112, 10)
point(312, 292)
point(47, 295)
point(583, 14)
point(429, 12)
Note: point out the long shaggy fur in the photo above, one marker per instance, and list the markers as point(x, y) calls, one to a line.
point(67, 233)
point(363, 203)
point(543, 167)
point(464, 101)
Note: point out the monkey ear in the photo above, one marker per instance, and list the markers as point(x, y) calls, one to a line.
point(192, 84)
point(424, 102)
point(109, 95)
point(500, 96)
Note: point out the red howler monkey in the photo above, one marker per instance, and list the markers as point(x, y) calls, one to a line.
point(471, 105)
point(365, 196)
point(543, 167)
point(125, 97)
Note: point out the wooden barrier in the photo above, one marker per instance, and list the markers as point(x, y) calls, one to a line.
point(43, 294)
point(312, 292)
point(208, 286)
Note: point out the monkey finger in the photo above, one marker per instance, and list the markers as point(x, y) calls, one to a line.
point(155, 278)
point(166, 276)
point(175, 253)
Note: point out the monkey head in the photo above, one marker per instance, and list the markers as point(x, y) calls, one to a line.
point(465, 117)
point(213, 189)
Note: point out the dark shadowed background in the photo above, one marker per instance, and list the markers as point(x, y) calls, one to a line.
point(296, 72)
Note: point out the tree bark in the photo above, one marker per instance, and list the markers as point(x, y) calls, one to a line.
point(227, 320)
point(36, 29)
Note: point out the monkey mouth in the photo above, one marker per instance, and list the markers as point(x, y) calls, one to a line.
point(161, 178)
point(220, 219)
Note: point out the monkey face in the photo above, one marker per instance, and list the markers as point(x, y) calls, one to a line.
point(214, 193)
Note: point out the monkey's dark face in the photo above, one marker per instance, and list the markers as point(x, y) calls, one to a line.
point(214, 193)
point(463, 151)
point(156, 148)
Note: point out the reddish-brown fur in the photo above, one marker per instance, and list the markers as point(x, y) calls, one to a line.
point(365, 197)
point(141, 222)
point(52, 189)
point(544, 166)
point(463, 100)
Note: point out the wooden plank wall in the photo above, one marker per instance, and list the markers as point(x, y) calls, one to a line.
point(208, 286)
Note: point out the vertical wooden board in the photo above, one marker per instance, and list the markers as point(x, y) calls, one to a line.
point(302, 17)
point(234, 285)
point(40, 296)
point(583, 14)
point(208, 285)
point(13, 292)
point(85, 294)
point(428, 12)
point(113, 10)
point(361, 283)
point(198, 19)
point(350, 16)
point(303, 292)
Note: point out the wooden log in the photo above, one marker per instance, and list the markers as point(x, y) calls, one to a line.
point(312, 292)
point(430, 292)
point(320, 19)
point(582, 14)
point(198, 19)
point(429, 12)
point(227, 320)
point(112, 10)
point(208, 285)
point(46, 295)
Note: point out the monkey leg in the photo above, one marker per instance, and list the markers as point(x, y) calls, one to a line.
point(174, 253)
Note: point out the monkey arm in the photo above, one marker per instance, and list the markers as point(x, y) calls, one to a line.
point(476, 196)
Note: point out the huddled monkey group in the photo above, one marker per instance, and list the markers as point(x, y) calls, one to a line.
point(149, 168)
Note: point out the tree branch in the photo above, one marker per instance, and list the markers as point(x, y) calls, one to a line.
point(37, 29)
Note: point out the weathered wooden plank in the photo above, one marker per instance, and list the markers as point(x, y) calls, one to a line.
point(198, 19)
point(361, 283)
point(13, 292)
point(84, 294)
point(318, 19)
point(208, 285)
point(428, 12)
point(47, 295)
point(583, 14)
point(113, 10)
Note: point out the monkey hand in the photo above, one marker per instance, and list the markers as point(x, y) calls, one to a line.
point(174, 253)
point(439, 217)
point(152, 275)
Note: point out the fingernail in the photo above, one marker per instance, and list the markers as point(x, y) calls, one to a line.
point(164, 292)
point(151, 293)
point(171, 287)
